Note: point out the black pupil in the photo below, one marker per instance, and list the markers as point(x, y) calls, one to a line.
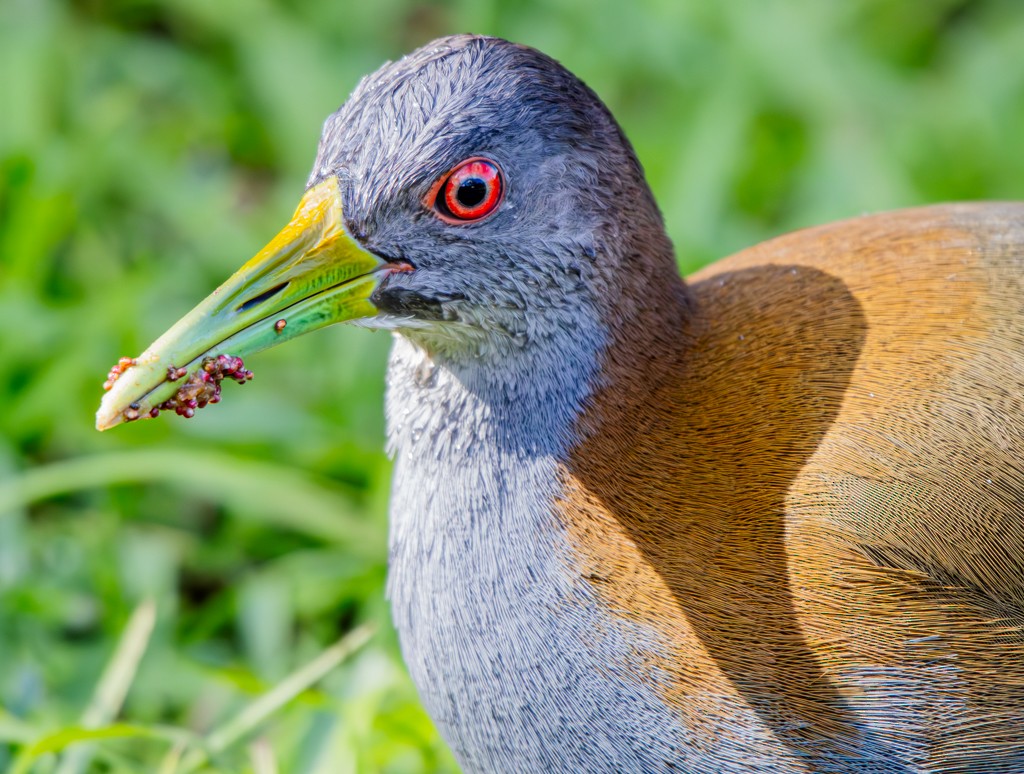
point(471, 192)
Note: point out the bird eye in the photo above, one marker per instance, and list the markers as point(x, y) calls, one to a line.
point(469, 192)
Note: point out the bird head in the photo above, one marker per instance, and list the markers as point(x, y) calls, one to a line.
point(474, 196)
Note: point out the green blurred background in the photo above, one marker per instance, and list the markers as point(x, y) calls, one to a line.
point(148, 148)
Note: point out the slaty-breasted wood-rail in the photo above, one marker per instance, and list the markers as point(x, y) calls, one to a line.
point(770, 519)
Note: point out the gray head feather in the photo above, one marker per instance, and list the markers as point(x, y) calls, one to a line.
point(576, 226)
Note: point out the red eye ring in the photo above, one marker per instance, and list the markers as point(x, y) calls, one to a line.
point(469, 192)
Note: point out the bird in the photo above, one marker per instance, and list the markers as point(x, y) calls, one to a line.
point(767, 518)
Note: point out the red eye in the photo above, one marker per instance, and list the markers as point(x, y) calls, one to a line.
point(471, 191)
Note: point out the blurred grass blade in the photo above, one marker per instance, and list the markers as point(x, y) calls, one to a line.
point(65, 737)
point(169, 765)
point(262, 756)
point(271, 492)
point(113, 686)
point(246, 721)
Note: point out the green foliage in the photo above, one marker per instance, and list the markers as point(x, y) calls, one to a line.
point(147, 148)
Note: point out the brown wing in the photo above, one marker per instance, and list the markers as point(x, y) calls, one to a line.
point(812, 487)
point(923, 463)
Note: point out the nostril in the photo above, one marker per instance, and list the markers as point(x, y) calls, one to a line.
point(256, 300)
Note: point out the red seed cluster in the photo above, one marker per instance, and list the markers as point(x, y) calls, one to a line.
point(122, 365)
point(203, 386)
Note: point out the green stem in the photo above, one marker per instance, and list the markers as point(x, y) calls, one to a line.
point(303, 678)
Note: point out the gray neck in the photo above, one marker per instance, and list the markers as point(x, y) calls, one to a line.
point(500, 638)
point(460, 433)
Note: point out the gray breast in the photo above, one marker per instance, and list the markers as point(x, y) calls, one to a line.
point(510, 655)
